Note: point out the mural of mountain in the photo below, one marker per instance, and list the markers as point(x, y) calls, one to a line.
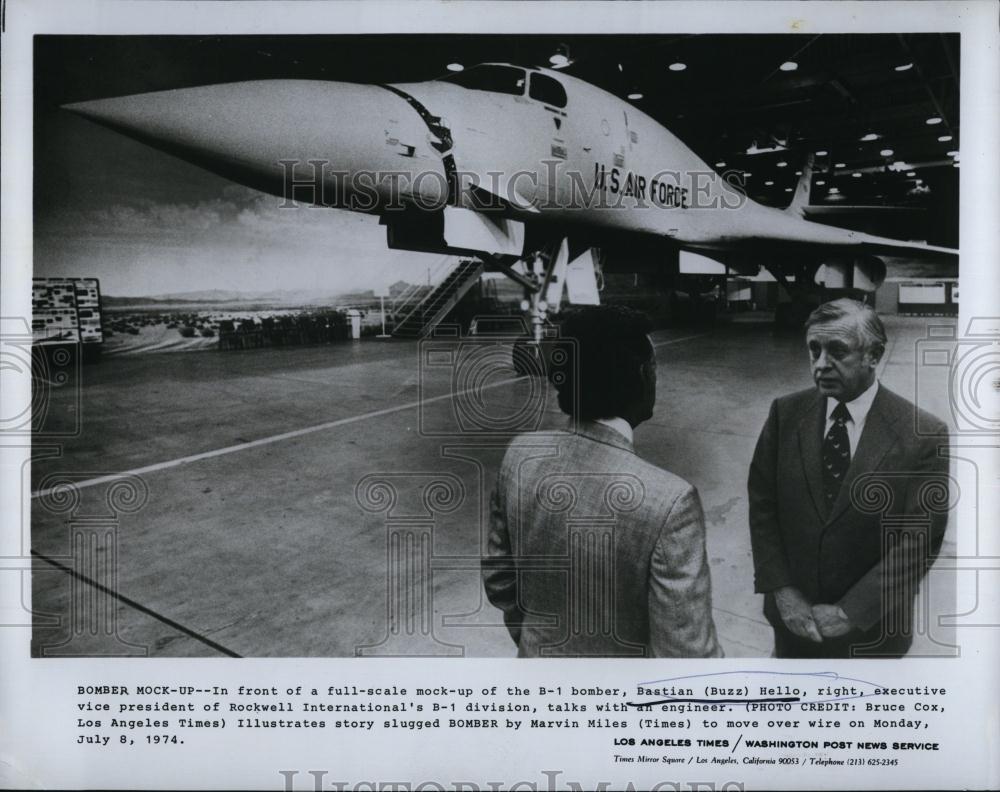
point(228, 296)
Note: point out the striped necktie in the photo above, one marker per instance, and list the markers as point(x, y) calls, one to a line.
point(836, 453)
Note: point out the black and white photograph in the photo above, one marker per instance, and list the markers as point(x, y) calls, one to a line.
point(322, 281)
point(410, 349)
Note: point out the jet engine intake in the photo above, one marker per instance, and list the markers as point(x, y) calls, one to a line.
point(861, 273)
point(455, 231)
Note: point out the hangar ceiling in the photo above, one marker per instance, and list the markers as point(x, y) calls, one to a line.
point(884, 108)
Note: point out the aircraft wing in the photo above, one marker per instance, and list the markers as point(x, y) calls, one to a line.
point(823, 210)
point(920, 250)
point(774, 228)
point(779, 229)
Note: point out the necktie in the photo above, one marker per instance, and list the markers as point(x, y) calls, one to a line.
point(836, 453)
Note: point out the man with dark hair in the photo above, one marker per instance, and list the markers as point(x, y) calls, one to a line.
point(839, 519)
point(609, 368)
point(593, 552)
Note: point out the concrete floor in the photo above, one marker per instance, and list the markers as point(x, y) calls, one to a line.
point(269, 544)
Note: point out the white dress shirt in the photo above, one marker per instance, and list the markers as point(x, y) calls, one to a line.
point(858, 409)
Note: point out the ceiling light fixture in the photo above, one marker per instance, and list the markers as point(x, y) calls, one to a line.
point(820, 183)
point(886, 152)
point(821, 153)
point(856, 175)
point(720, 164)
point(782, 164)
point(911, 174)
point(869, 136)
point(455, 67)
point(840, 165)
point(769, 184)
point(789, 66)
point(944, 138)
point(904, 67)
point(755, 149)
point(677, 66)
point(933, 120)
point(635, 96)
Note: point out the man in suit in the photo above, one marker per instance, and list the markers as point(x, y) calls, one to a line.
point(593, 552)
point(845, 499)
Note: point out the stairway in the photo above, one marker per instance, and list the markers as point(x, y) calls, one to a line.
point(426, 315)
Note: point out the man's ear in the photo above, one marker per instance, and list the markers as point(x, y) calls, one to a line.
point(875, 352)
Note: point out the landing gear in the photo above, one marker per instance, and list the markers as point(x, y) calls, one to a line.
point(550, 273)
point(791, 316)
point(539, 270)
point(527, 356)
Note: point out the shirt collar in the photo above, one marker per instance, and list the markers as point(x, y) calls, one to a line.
point(858, 408)
point(620, 425)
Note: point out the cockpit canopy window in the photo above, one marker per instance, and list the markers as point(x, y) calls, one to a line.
point(499, 79)
point(544, 89)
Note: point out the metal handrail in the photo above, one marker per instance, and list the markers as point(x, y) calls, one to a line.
point(418, 302)
point(400, 303)
point(445, 303)
point(436, 304)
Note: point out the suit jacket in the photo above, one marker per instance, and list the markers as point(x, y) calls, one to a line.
point(867, 552)
point(594, 552)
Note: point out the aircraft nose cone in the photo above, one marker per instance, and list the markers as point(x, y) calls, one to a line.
point(245, 130)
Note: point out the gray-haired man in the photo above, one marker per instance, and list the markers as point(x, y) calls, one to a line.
point(839, 578)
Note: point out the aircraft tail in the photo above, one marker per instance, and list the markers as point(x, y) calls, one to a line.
point(800, 199)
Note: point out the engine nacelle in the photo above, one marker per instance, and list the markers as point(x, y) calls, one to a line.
point(863, 273)
point(454, 231)
point(639, 256)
